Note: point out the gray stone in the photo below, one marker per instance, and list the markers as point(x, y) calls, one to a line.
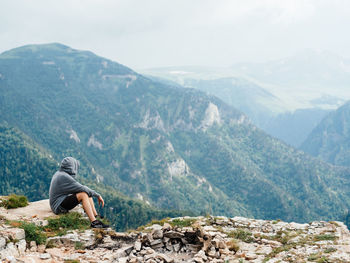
point(166, 226)
point(138, 245)
point(15, 233)
point(2, 242)
point(21, 246)
point(157, 234)
point(156, 242)
point(169, 246)
point(120, 253)
point(11, 259)
point(173, 234)
point(165, 258)
point(150, 256)
point(128, 249)
point(201, 254)
point(12, 249)
point(177, 247)
point(122, 260)
point(155, 227)
point(41, 248)
point(45, 256)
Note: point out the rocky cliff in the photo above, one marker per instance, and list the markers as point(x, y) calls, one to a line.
point(185, 239)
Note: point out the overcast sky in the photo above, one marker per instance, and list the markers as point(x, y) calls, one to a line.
point(155, 33)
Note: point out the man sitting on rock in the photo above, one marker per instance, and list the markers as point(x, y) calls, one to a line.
point(66, 193)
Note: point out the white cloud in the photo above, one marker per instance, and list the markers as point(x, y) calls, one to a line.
point(150, 33)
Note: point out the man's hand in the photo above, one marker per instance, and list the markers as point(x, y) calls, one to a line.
point(100, 201)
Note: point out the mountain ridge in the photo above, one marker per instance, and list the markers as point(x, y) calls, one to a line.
point(173, 147)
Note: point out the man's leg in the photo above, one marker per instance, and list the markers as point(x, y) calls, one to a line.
point(93, 206)
point(89, 209)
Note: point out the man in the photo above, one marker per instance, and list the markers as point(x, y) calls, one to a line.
point(66, 193)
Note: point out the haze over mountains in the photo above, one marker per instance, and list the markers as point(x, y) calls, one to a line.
point(169, 146)
point(302, 90)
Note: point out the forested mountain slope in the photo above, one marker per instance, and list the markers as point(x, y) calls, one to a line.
point(172, 147)
point(330, 140)
point(26, 169)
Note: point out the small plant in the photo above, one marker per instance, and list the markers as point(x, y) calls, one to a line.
point(242, 234)
point(14, 201)
point(334, 223)
point(159, 222)
point(182, 222)
point(67, 222)
point(325, 237)
point(78, 245)
point(317, 257)
point(330, 250)
point(33, 233)
point(232, 245)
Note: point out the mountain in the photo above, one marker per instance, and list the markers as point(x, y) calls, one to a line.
point(330, 139)
point(244, 95)
point(263, 108)
point(170, 146)
point(26, 169)
point(294, 127)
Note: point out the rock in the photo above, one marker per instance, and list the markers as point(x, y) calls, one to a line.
point(138, 245)
point(2, 243)
point(11, 259)
point(150, 256)
point(155, 227)
point(165, 258)
point(169, 246)
point(173, 234)
point(202, 242)
point(177, 247)
point(41, 248)
point(122, 260)
point(21, 246)
point(166, 227)
point(201, 254)
point(157, 234)
point(250, 256)
point(45, 256)
point(14, 233)
point(156, 242)
point(12, 249)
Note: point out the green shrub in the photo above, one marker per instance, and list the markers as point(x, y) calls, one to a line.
point(182, 222)
point(33, 233)
point(69, 221)
point(330, 250)
point(325, 237)
point(242, 234)
point(14, 201)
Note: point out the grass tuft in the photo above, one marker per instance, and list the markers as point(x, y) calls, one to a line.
point(14, 201)
point(33, 233)
point(65, 222)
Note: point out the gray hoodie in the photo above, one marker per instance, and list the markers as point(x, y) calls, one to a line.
point(63, 184)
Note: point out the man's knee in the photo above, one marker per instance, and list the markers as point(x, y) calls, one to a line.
point(82, 195)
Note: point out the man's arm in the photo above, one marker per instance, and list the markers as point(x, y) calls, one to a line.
point(69, 186)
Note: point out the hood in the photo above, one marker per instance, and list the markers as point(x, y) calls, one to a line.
point(70, 166)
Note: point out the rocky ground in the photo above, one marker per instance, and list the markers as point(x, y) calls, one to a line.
point(199, 239)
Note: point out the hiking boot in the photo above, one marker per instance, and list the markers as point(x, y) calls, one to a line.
point(98, 224)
